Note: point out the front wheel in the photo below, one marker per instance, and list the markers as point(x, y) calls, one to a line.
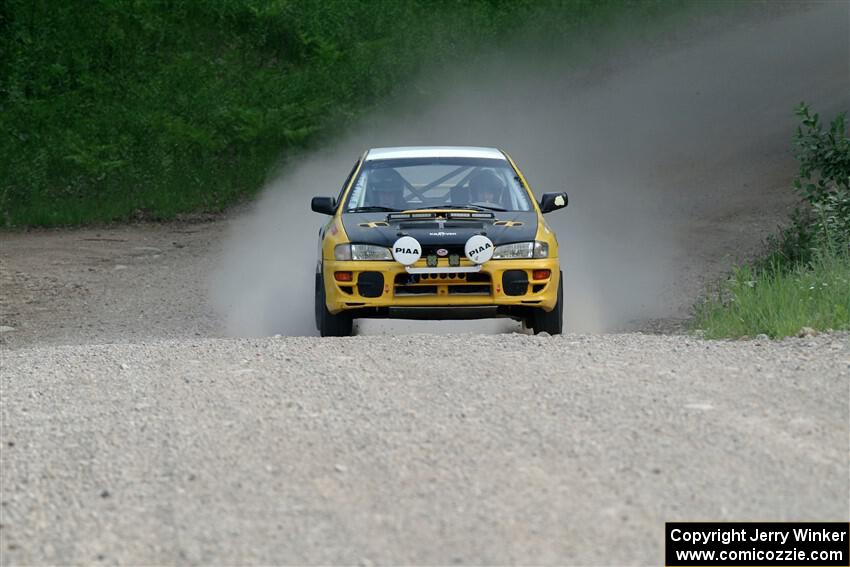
point(551, 322)
point(330, 325)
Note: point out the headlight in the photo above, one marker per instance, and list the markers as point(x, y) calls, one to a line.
point(541, 249)
point(361, 252)
point(521, 250)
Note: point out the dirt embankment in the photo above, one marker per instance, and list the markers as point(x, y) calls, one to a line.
point(111, 284)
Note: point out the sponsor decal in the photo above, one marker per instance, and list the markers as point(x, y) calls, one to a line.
point(480, 249)
point(442, 252)
point(442, 233)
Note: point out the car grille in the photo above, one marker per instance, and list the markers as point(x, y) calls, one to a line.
point(430, 284)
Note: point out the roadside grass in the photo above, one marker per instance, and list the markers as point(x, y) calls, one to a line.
point(804, 278)
point(114, 110)
point(780, 302)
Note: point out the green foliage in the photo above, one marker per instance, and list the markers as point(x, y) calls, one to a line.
point(804, 280)
point(824, 179)
point(824, 155)
point(115, 109)
point(780, 302)
point(792, 247)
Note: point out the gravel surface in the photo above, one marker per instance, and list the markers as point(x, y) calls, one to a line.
point(110, 284)
point(415, 449)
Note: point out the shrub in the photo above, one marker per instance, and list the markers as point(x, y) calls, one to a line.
point(824, 179)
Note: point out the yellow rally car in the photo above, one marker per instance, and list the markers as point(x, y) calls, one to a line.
point(437, 233)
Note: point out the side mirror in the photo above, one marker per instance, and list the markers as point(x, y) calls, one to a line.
point(324, 205)
point(552, 202)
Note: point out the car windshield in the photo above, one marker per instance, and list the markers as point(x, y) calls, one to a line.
point(424, 183)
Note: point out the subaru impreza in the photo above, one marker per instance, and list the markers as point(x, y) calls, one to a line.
point(437, 233)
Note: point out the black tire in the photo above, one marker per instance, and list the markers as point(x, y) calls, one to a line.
point(551, 322)
point(330, 325)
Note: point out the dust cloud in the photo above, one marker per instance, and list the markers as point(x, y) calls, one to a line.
point(675, 154)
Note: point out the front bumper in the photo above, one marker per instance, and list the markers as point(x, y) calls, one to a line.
point(378, 284)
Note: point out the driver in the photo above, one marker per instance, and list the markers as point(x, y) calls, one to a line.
point(486, 187)
point(385, 189)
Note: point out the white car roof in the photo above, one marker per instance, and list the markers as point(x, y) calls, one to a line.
point(434, 152)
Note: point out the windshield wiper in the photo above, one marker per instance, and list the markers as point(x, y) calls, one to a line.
point(372, 209)
point(485, 207)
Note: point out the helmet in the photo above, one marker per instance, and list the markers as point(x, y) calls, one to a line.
point(486, 182)
point(385, 179)
point(385, 187)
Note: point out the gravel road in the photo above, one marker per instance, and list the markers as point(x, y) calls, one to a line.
point(110, 284)
point(414, 449)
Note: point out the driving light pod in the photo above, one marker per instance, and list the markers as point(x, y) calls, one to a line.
point(479, 249)
point(406, 250)
point(521, 250)
point(360, 252)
